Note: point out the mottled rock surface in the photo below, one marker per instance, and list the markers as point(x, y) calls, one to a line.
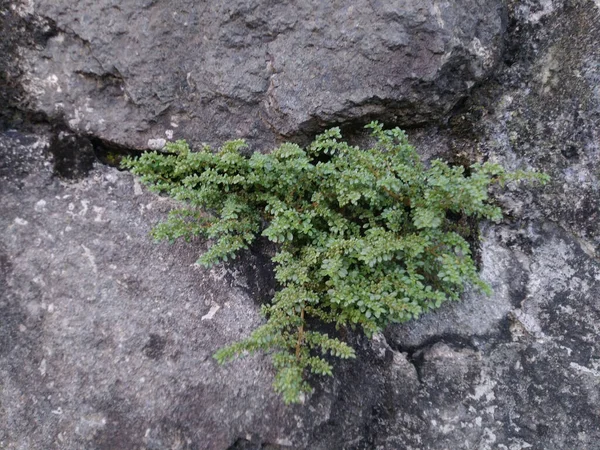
point(208, 71)
point(106, 338)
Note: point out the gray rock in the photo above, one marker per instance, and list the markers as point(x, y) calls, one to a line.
point(530, 379)
point(128, 71)
point(106, 338)
point(519, 370)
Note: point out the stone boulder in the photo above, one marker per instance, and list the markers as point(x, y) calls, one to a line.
point(128, 71)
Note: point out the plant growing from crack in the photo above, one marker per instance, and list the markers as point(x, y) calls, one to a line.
point(365, 237)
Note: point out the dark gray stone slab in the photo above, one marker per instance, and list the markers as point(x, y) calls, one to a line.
point(208, 71)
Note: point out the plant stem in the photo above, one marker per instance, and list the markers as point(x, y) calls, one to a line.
point(300, 335)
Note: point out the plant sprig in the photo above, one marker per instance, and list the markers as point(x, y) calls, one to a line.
point(364, 237)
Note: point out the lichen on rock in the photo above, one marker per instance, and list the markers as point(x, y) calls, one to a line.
point(102, 342)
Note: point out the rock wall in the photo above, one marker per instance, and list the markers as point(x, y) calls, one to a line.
point(106, 338)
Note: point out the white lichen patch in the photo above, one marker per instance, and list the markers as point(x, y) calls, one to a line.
point(23, 8)
point(529, 323)
point(99, 210)
point(485, 54)
point(211, 313)
point(137, 188)
point(437, 13)
point(40, 206)
point(90, 257)
point(485, 389)
point(534, 16)
point(84, 208)
point(548, 71)
point(75, 118)
point(583, 369)
point(52, 82)
point(156, 144)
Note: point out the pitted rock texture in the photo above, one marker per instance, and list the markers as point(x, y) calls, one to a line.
point(531, 379)
point(106, 338)
point(209, 71)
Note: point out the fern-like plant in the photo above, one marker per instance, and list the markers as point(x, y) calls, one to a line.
point(364, 236)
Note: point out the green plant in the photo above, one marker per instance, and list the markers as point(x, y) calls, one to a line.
point(365, 236)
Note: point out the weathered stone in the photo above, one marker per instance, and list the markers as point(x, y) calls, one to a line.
point(129, 71)
point(106, 338)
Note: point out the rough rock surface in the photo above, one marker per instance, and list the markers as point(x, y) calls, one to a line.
point(106, 338)
point(208, 71)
